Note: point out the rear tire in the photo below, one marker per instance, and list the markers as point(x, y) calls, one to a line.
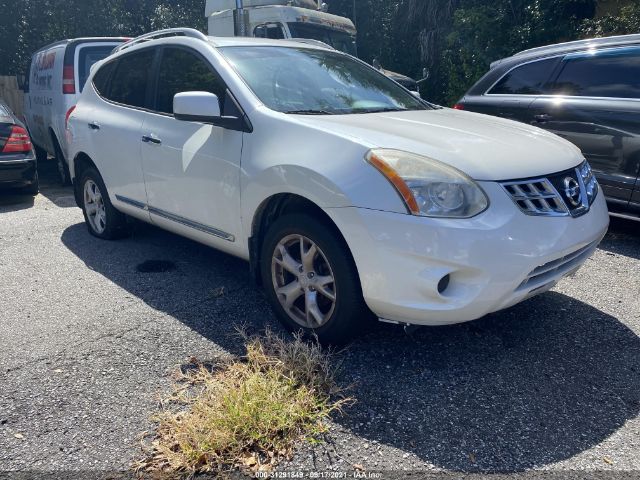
point(311, 280)
point(102, 219)
point(63, 168)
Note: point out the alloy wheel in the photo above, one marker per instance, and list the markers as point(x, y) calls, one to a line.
point(303, 281)
point(94, 207)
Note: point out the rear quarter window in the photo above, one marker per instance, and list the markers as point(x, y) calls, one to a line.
point(528, 79)
point(89, 56)
point(102, 77)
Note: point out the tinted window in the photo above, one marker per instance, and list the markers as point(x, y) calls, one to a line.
point(342, 41)
point(129, 82)
point(88, 57)
point(272, 30)
point(101, 78)
point(613, 73)
point(184, 71)
point(529, 79)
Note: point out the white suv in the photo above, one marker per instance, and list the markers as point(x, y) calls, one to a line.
point(346, 193)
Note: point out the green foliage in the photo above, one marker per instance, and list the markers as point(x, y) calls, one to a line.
point(627, 21)
point(455, 40)
point(39, 22)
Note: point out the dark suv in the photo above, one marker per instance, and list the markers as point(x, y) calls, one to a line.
point(587, 92)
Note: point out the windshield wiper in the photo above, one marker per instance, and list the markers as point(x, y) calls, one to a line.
point(309, 112)
point(380, 110)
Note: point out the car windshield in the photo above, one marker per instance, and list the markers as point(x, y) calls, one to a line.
point(317, 82)
point(339, 40)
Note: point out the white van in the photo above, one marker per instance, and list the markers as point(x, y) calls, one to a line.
point(56, 76)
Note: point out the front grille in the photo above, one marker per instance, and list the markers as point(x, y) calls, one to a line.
point(571, 192)
point(541, 275)
point(536, 197)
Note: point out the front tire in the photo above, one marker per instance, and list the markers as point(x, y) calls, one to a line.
point(102, 219)
point(311, 280)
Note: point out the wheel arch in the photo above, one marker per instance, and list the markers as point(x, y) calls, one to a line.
point(79, 164)
point(275, 207)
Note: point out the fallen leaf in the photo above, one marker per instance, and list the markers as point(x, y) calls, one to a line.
point(250, 461)
point(19, 436)
point(57, 370)
point(607, 460)
point(472, 457)
point(358, 467)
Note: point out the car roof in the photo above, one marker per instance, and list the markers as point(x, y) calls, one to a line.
point(567, 47)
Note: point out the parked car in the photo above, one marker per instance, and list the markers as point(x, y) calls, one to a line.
point(587, 92)
point(345, 192)
point(56, 76)
point(18, 165)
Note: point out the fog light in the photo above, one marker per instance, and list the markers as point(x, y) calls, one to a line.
point(443, 284)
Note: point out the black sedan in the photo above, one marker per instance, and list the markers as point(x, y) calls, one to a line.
point(18, 167)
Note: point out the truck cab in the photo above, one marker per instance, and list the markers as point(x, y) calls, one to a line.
point(285, 19)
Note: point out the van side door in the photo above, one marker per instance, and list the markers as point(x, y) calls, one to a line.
point(595, 104)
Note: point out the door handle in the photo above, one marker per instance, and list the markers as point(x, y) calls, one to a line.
point(542, 118)
point(151, 139)
point(94, 126)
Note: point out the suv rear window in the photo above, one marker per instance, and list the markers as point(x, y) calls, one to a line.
point(87, 57)
point(102, 76)
point(129, 82)
point(528, 79)
point(609, 73)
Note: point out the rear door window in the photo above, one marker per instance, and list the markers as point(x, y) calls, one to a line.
point(87, 57)
point(528, 79)
point(182, 70)
point(609, 73)
point(130, 80)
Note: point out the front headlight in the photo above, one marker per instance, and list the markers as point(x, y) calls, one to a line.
point(428, 187)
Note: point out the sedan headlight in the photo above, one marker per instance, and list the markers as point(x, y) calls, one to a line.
point(428, 187)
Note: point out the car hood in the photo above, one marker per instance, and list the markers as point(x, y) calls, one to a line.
point(484, 147)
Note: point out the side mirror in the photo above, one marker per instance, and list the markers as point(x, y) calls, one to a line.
point(196, 107)
point(416, 94)
point(204, 107)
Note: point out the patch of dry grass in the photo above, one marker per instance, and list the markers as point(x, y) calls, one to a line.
point(247, 414)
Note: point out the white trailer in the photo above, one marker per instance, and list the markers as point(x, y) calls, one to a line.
point(283, 19)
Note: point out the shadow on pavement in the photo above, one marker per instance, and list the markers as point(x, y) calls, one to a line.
point(623, 238)
point(533, 385)
point(529, 386)
point(13, 200)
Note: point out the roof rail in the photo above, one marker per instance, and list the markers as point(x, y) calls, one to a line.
point(170, 32)
point(311, 41)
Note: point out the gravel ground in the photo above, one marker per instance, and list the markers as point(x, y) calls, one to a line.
point(87, 343)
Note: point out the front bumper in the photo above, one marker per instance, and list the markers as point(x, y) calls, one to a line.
point(494, 260)
point(17, 171)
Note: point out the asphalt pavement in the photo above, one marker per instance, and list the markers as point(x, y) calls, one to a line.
point(90, 331)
